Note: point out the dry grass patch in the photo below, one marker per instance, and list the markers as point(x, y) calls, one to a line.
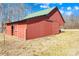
point(65, 43)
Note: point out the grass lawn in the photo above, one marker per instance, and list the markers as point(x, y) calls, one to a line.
point(63, 44)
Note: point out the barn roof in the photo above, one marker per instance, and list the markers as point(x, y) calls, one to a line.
point(39, 13)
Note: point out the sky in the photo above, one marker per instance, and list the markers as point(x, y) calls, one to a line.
point(65, 8)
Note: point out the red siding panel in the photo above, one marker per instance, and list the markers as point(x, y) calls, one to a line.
point(56, 17)
point(8, 30)
point(20, 30)
point(55, 28)
point(42, 28)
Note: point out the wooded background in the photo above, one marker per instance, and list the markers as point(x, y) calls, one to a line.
point(15, 12)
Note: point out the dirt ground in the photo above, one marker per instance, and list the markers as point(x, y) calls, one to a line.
point(63, 44)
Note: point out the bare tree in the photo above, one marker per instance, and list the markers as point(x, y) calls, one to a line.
point(10, 12)
point(17, 11)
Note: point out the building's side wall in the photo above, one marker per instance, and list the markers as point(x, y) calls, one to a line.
point(55, 28)
point(20, 30)
point(56, 17)
point(42, 28)
point(37, 28)
point(8, 30)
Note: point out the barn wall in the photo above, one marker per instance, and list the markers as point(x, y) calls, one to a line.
point(42, 28)
point(8, 29)
point(55, 28)
point(37, 27)
point(35, 30)
point(57, 18)
point(20, 30)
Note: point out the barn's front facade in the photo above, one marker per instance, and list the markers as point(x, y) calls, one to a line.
point(39, 24)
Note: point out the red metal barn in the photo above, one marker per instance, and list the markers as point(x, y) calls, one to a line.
point(39, 24)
